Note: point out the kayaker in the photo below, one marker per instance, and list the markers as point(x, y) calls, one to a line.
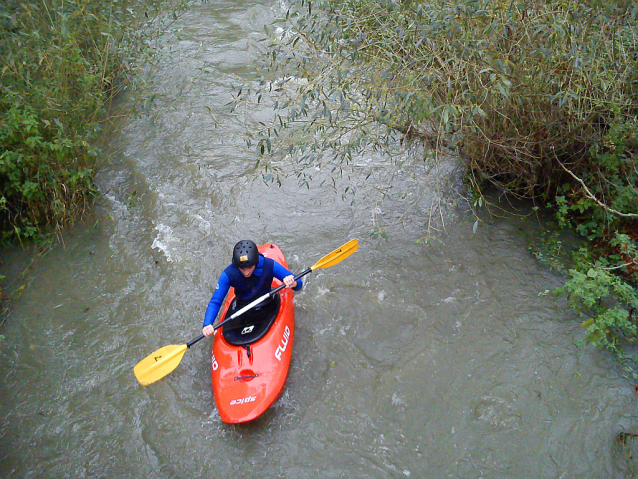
point(251, 275)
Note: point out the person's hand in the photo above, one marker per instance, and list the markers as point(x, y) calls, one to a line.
point(208, 330)
point(290, 281)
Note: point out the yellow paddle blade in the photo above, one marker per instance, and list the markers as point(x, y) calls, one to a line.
point(157, 365)
point(337, 255)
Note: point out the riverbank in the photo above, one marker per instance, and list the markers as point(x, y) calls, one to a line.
point(539, 98)
point(63, 61)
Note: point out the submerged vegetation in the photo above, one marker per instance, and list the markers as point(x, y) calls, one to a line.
point(540, 98)
point(62, 61)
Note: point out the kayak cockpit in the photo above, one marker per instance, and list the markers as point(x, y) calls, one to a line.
point(253, 324)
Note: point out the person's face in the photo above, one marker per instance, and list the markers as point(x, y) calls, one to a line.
point(247, 271)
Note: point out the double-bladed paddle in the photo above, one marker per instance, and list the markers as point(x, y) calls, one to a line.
point(160, 363)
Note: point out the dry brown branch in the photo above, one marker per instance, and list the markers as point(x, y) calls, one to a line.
point(591, 196)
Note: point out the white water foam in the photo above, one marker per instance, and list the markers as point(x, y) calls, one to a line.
point(166, 242)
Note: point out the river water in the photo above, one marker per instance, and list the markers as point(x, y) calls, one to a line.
point(410, 360)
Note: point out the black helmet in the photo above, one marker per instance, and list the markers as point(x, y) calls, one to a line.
point(245, 254)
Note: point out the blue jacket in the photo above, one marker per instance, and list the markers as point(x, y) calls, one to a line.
point(250, 290)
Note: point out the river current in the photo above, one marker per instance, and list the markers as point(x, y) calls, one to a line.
point(438, 360)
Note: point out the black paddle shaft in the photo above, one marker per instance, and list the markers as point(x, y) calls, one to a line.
point(198, 338)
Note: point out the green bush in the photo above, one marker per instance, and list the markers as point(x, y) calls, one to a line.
point(62, 61)
point(611, 174)
point(610, 302)
point(52, 99)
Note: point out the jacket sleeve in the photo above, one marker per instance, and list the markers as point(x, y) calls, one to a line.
point(215, 304)
point(280, 273)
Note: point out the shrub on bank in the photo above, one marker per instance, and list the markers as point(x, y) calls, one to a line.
point(62, 60)
point(541, 97)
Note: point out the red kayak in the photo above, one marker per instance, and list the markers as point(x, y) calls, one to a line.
point(251, 353)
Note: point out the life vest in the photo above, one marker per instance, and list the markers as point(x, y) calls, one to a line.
point(251, 288)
